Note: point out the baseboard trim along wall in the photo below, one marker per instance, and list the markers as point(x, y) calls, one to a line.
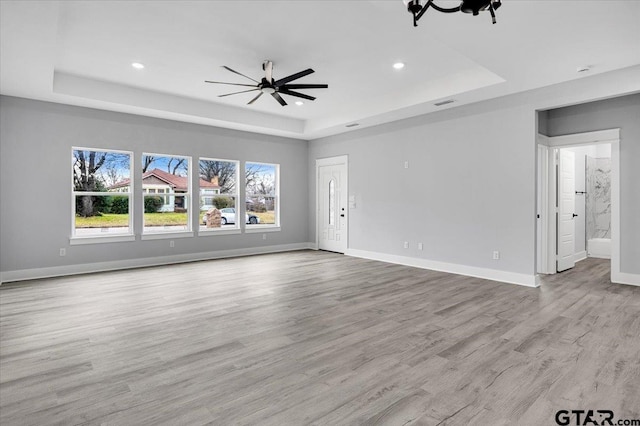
point(577, 257)
point(624, 278)
point(86, 268)
point(471, 271)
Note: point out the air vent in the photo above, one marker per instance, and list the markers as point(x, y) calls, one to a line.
point(448, 101)
point(352, 125)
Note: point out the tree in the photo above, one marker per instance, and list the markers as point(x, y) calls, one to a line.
point(225, 171)
point(85, 166)
point(147, 161)
point(173, 167)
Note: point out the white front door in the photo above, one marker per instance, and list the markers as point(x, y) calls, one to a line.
point(332, 207)
point(566, 210)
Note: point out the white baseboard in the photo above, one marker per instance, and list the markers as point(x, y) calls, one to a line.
point(577, 257)
point(625, 278)
point(85, 268)
point(472, 271)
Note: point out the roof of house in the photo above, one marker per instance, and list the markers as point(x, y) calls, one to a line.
point(176, 182)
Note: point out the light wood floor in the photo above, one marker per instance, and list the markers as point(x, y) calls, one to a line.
point(315, 338)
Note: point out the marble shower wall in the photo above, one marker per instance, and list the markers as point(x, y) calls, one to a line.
point(598, 197)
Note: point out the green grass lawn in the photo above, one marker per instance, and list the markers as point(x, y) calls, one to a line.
point(108, 220)
point(266, 218)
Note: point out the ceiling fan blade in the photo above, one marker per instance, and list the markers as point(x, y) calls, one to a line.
point(293, 77)
point(304, 86)
point(299, 95)
point(236, 72)
point(235, 93)
point(267, 66)
point(233, 84)
point(279, 98)
point(255, 99)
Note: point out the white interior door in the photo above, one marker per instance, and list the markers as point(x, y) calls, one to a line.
point(566, 210)
point(332, 207)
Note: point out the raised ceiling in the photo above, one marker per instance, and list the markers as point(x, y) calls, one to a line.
point(80, 53)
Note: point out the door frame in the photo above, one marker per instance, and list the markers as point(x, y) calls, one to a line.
point(331, 161)
point(548, 239)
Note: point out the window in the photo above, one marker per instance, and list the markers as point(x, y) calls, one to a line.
point(332, 202)
point(218, 188)
point(101, 191)
point(169, 176)
point(262, 194)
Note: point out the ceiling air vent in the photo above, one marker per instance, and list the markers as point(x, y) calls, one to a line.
point(448, 101)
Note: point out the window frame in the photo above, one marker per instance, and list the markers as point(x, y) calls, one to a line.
point(129, 235)
point(236, 229)
point(262, 227)
point(169, 234)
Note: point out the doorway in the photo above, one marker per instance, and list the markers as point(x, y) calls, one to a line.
point(332, 214)
point(578, 200)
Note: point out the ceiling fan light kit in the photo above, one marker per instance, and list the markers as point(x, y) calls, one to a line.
point(274, 88)
point(467, 6)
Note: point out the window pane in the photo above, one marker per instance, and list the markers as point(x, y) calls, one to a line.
point(101, 171)
point(170, 216)
point(166, 188)
point(218, 176)
point(111, 215)
point(218, 189)
point(261, 210)
point(332, 202)
point(262, 190)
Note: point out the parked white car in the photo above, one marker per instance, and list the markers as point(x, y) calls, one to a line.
point(229, 217)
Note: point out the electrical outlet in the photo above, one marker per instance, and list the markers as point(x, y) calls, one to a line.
point(172, 244)
point(420, 246)
point(406, 244)
point(63, 252)
point(264, 236)
point(496, 255)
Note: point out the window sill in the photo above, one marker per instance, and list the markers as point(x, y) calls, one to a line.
point(214, 232)
point(167, 235)
point(101, 240)
point(261, 228)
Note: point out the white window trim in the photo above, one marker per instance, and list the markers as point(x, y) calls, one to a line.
point(275, 227)
point(111, 237)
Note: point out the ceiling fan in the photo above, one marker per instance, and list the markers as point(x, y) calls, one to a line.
point(271, 87)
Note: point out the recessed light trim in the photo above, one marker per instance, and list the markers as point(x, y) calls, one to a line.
point(398, 65)
point(299, 103)
point(137, 65)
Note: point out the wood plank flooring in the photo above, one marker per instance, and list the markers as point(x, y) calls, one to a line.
point(315, 338)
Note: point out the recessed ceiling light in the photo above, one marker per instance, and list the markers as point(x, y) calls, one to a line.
point(398, 65)
point(299, 103)
point(137, 65)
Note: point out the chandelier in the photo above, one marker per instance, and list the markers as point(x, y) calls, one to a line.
point(467, 6)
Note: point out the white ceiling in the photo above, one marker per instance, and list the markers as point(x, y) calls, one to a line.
point(80, 53)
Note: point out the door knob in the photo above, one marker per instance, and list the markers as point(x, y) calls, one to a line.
point(575, 215)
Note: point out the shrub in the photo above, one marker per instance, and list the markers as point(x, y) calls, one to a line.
point(120, 205)
point(152, 204)
point(223, 202)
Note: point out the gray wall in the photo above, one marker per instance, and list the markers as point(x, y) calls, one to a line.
point(35, 185)
point(469, 188)
point(624, 113)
